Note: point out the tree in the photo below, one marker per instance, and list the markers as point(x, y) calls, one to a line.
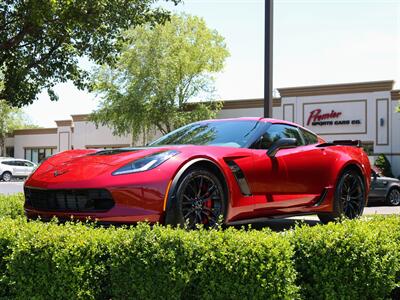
point(159, 71)
point(11, 118)
point(41, 40)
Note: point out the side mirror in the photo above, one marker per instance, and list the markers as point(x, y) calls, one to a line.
point(285, 143)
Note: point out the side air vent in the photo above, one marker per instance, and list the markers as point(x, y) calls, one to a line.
point(321, 198)
point(239, 176)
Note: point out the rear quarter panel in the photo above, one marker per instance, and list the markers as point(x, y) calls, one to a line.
point(346, 156)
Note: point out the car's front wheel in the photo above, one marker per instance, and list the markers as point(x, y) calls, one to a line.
point(6, 176)
point(393, 198)
point(199, 199)
point(350, 197)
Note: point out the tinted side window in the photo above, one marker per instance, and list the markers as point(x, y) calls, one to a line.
point(279, 131)
point(8, 163)
point(309, 137)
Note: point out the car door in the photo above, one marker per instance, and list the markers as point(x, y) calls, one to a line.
point(19, 168)
point(308, 169)
point(378, 186)
point(293, 177)
point(269, 179)
point(28, 168)
point(374, 181)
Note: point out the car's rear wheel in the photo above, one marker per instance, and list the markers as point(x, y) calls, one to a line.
point(350, 197)
point(6, 176)
point(199, 199)
point(393, 198)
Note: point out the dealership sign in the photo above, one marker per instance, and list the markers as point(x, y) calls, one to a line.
point(339, 117)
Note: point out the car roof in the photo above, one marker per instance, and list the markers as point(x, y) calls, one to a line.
point(12, 159)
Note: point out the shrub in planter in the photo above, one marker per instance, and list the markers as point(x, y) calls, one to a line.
point(383, 164)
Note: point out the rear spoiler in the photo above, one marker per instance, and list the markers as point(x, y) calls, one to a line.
point(354, 143)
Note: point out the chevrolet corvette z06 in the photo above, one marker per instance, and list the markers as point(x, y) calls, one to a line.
point(231, 170)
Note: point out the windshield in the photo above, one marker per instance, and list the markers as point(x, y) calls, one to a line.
point(235, 133)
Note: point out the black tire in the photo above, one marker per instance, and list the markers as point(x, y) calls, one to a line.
point(350, 197)
point(7, 176)
point(393, 197)
point(199, 198)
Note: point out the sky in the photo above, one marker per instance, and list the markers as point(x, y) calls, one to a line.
point(315, 42)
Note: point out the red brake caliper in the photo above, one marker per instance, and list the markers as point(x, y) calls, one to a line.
point(208, 203)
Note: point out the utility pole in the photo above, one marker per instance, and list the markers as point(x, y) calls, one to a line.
point(268, 47)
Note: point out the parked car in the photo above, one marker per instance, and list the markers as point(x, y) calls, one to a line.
point(384, 189)
point(13, 168)
point(232, 170)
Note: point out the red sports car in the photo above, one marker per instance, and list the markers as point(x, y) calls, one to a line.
point(231, 170)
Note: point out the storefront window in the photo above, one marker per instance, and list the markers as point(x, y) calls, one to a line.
point(28, 154)
point(37, 155)
point(48, 152)
point(10, 151)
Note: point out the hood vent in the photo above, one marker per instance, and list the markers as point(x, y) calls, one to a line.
point(114, 151)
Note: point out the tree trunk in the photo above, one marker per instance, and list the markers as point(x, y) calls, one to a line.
point(2, 146)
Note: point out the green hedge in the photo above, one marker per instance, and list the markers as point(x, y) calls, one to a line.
point(358, 259)
point(12, 206)
point(174, 264)
point(76, 261)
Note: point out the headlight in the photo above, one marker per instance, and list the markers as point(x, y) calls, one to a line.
point(146, 163)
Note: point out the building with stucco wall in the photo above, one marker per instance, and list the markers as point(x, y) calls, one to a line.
point(364, 111)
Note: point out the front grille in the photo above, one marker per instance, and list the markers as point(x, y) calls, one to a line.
point(69, 200)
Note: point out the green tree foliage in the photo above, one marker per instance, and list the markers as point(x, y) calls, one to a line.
point(41, 40)
point(160, 69)
point(383, 164)
point(11, 118)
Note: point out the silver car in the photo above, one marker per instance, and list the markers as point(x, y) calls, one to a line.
point(385, 188)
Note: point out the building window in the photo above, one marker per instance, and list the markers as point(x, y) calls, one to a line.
point(37, 155)
point(10, 151)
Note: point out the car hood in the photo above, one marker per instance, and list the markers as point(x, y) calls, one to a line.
point(112, 157)
point(91, 163)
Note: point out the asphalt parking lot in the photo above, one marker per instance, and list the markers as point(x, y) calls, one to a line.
point(9, 188)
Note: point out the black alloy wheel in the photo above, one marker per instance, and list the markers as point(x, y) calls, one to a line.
point(350, 197)
point(199, 200)
point(393, 198)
